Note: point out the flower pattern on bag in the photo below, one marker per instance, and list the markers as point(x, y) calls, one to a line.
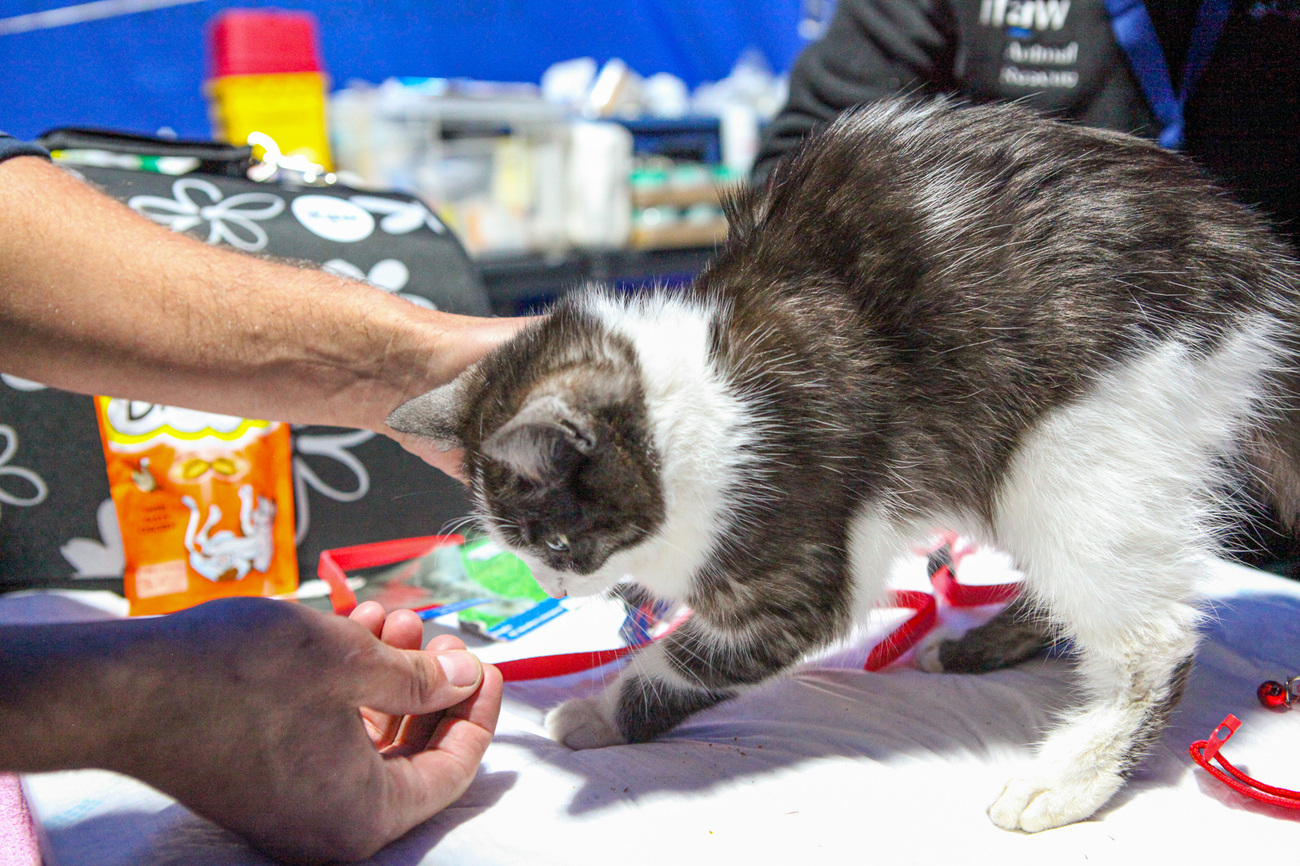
point(335, 447)
point(387, 274)
point(196, 201)
point(39, 489)
point(20, 384)
point(401, 217)
point(98, 558)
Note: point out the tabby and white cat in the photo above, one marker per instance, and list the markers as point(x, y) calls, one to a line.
point(1057, 340)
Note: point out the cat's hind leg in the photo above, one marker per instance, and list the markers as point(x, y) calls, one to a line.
point(1132, 685)
point(1118, 584)
point(1130, 620)
point(1108, 509)
point(1132, 626)
point(1014, 634)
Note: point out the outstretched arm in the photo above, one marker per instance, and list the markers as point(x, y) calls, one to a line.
point(96, 299)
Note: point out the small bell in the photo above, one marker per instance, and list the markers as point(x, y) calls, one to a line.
point(1275, 695)
point(1272, 694)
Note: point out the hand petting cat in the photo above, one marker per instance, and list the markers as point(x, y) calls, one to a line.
point(465, 341)
point(176, 321)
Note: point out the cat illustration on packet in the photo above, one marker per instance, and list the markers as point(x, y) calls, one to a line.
point(225, 555)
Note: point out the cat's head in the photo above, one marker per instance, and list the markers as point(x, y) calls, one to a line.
point(560, 463)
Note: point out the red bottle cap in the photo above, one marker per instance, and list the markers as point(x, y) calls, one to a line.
point(259, 42)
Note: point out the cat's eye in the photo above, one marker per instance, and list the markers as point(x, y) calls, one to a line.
point(558, 543)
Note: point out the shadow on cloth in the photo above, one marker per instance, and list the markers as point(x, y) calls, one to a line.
point(903, 715)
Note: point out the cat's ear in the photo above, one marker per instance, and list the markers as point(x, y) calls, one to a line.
point(434, 415)
point(543, 438)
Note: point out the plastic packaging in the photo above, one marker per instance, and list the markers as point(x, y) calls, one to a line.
point(205, 503)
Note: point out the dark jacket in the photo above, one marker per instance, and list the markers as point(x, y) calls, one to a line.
point(1060, 56)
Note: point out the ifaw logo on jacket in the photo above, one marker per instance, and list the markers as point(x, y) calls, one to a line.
point(1025, 14)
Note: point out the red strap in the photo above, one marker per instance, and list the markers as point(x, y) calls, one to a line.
point(335, 563)
point(882, 655)
point(1205, 751)
point(541, 667)
point(906, 635)
point(963, 595)
point(918, 626)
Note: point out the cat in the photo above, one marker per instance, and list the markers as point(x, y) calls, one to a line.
point(1060, 341)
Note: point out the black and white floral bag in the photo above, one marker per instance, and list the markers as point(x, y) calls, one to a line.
point(57, 523)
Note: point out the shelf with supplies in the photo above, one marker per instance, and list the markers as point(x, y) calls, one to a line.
point(513, 175)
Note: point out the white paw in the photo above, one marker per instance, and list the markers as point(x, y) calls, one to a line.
point(927, 651)
point(1037, 805)
point(581, 724)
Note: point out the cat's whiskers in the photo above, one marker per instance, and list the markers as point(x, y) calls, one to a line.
point(454, 527)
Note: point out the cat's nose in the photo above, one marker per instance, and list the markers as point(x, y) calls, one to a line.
point(556, 591)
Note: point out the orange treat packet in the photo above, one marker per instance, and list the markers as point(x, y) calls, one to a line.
point(205, 503)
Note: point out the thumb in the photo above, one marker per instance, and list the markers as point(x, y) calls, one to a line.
point(414, 682)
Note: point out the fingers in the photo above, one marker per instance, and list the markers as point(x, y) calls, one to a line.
point(434, 778)
point(463, 735)
point(415, 731)
point(401, 629)
point(370, 614)
point(414, 682)
point(444, 642)
point(484, 708)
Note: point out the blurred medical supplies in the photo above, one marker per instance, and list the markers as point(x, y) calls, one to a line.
point(575, 163)
point(600, 201)
point(490, 157)
point(266, 77)
point(204, 502)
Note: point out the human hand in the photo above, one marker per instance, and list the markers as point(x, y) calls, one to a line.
point(247, 712)
point(402, 629)
point(464, 341)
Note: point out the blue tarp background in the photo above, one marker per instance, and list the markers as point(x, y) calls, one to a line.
point(143, 71)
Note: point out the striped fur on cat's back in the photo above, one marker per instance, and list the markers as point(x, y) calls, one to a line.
point(1057, 340)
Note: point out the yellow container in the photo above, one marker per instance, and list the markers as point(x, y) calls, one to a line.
point(287, 106)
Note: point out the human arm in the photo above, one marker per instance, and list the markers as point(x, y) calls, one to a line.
point(246, 710)
point(96, 299)
point(871, 49)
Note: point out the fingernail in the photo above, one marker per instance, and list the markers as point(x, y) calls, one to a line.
point(461, 668)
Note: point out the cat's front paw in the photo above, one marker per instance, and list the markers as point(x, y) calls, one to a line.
point(581, 724)
point(1039, 805)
